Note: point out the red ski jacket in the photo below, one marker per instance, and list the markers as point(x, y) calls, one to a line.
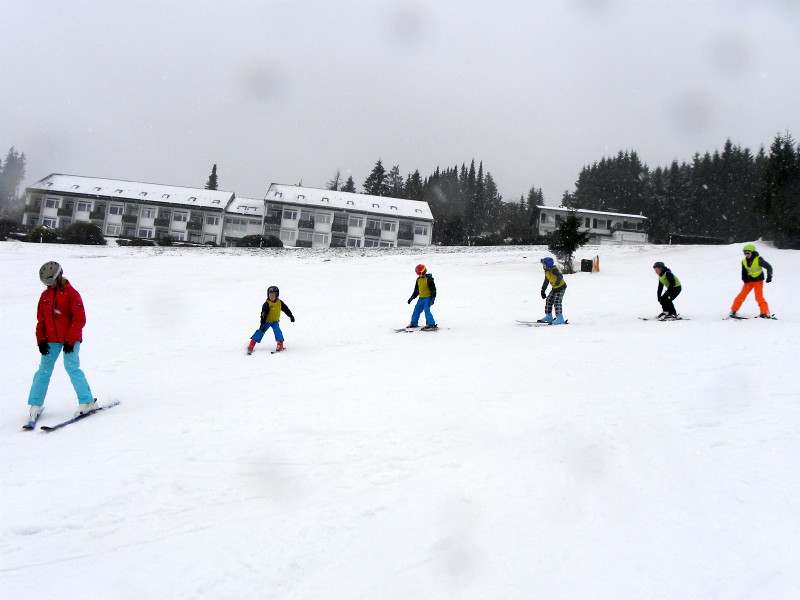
point(60, 316)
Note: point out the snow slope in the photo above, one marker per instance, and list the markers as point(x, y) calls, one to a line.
point(608, 459)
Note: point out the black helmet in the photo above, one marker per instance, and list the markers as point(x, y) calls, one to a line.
point(50, 272)
point(274, 288)
point(659, 265)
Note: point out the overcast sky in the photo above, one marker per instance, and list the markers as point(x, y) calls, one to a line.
point(286, 92)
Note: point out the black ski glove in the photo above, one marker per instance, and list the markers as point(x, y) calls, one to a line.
point(291, 319)
point(432, 301)
point(544, 295)
point(769, 279)
point(68, 348)
point(409, 300)
point(44, 348)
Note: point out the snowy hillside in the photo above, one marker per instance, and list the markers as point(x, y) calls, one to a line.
point(611, 458)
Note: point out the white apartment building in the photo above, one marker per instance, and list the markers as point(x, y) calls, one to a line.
point(315, 218)
point(604, 227)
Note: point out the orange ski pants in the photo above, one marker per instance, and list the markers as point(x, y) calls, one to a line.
point(758, 287)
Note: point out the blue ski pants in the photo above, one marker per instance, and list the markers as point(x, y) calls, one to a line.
point(72, 364)
point(275, 326)
point(422, 304)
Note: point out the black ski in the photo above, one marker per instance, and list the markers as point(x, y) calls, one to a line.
point(663, 320)
point(541, 323)
point(78, 418)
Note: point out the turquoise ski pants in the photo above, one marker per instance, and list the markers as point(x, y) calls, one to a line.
point(72, 364)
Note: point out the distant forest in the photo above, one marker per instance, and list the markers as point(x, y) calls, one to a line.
point(728, 196)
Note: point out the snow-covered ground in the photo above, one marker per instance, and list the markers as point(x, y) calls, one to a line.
point(611, 458)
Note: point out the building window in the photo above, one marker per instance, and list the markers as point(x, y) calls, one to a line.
point(323, 218)
point(84, 206)
point(389, 225)
point(354, 242)
point(289, 214)
point(420, 230)
point(588, 225)
point(288, 235)
point(148, 213)
point(180, 217)
point(113, 229)
point(50, 222)
point(51, 202)
point(115, 209)
point(145, 232)
point(355, 222)
point(212, 220)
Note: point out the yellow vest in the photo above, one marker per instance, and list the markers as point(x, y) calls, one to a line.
point(754, 270)
point(422, 285)
point(663, 279)
point(274, 313)
point(552, 277)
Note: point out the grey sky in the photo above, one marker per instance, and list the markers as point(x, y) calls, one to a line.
point(289, 91)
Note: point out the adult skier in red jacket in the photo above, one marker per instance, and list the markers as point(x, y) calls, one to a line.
point(60, 318)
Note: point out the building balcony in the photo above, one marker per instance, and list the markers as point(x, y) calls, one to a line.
point(339, 227)
point(130, 218)
point(274, 220)
point(161, 222)
point(303, 243)
point(65, 212)
point(97, 215)
point(405, 235)
point(305, 224)
point(373, 231)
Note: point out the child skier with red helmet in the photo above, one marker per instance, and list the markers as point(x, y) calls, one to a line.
point(425, 289)
point(270, 319)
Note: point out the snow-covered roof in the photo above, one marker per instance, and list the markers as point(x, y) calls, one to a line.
point(151, 193)
point(249, 207)
point(363, 203)
point(589, 212)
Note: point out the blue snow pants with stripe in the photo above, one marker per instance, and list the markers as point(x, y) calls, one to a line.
point(422, 304)
point(72, 364)
point(275, 326)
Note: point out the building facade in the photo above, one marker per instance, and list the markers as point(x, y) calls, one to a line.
point(127, 208)
point(314, 218)
point(603, 227)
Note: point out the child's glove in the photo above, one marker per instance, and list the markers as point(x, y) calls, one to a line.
point(432, 301)
point(769, 279)
point(263, 327)
point(68, 348)
point(409, 300)
point(544, 295)
point(44, 348)
point(291, 319)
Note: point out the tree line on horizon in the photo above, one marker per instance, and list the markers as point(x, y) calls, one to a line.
point(724, 197)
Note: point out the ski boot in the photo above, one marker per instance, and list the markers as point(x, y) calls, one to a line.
point(559, 320)
point(546, 319)
point(86, 408)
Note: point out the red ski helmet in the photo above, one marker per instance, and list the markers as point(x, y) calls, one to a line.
point(421, 270)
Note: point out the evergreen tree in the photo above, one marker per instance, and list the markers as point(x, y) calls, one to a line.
point(377, 182)
point(211, 184)
point(779, 197)
point(334, 183)
point(12, 174)
point(349, 185)
point(566, 239)
point(394, 183)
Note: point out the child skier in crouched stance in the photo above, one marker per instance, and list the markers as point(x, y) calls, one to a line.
point(425, 289)
point(553, 276)
point(270, 319)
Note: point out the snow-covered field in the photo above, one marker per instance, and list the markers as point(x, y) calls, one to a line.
point(611, 458)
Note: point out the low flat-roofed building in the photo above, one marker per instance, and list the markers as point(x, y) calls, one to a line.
point(604, 227)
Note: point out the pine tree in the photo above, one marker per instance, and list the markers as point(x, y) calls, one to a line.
point(12, 175)
point(566, 239)
point(394, 183)
point(211, 184)
point(334, 183)
point(349, 186)
point(779, 198)
point(376, 184)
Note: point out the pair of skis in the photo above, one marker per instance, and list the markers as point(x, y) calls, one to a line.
point(738, 318)
point(540, 323)
point(32, 423)
point(413, 329)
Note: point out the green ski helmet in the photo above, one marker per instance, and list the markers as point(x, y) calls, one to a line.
point(749, 248)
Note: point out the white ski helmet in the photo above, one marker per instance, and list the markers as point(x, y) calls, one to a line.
point(50, 272)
